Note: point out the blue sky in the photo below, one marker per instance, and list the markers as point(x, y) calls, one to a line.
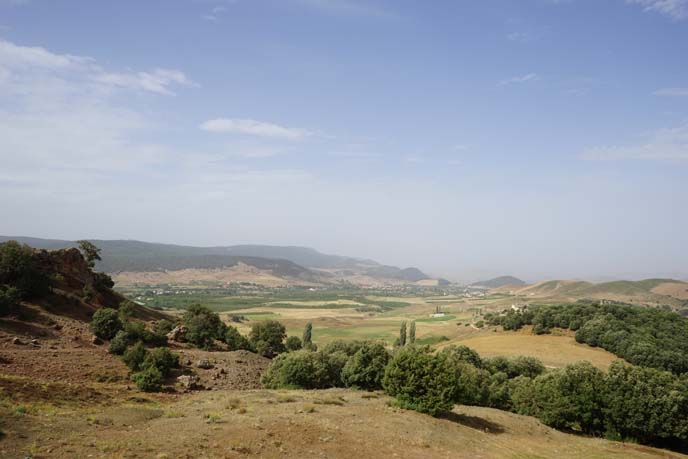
point(539, 138)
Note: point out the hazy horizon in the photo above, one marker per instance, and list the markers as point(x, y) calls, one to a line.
point(545, 139)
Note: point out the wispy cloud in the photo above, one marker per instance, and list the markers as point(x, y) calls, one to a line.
point(519, 79)
point(347, 7)
point(669, 144)
point(672, 92)
point(253, 127)
point(675, 9)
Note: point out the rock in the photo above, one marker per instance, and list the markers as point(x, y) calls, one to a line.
point(57, 327)
point(17, 341)
point(178, 334)
point(189, 382)
point(35, 342)
point(97, 341)
point(204, 364)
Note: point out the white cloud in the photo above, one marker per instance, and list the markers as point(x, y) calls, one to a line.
point(675, 9)
point(672, 92)
point(25, 62)
point(669, 144)
point(529, 77)
point(253, 127)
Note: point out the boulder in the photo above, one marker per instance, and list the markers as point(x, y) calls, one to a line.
point(178, 334)
point(95, 340)
point(17, 341)
point(204, 364)
point(189, 382)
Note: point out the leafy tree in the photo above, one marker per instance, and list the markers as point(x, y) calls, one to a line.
point(412, 332)
point(90, 252)
point(162, 359)
point(463, 353)
point(126, 309)
point(366, 368)
point(236, 340)
point(308, 336)
point(149, 379)
point(267, 338)
point(293, 343)
point(134, 356)
point(346, 347)
point(106, 323)
point(203, 326)
point(9, 299)
point(422, 381)
point(572, 398)
point(119, 343)
point(162, 327)
point(102, 281)
point(402, 334)
point(301, 370)
point(19, 269)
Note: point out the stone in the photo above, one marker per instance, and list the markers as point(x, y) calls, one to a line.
point(178, 334)
point(17, 341)
point(204, 364)
point(189, 382)
point(97, 341)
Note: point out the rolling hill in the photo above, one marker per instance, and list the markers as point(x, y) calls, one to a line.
point(498, 282)
point(289, 263)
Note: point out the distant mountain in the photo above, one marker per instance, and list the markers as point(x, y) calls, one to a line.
point(500, 282)
point(288, 261)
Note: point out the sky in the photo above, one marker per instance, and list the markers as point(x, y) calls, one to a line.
point(540, 138)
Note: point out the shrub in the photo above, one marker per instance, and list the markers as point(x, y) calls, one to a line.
point(134, 356)
point(349, 348)
point(88, 293)
point(162, 359)
point(105, 323)
point(9, 299)
point(126, 309)
point(267, 338)
point(463, 354)
point(119, 343)
point(162, 327)
point(308, 336)
point(366, 368)
point(148, 380)
point(137, 331)
point(299, 370)
point(236, 340)
point(422, 381)
point(102, 281)
point(19, 269)
point(203, 326)
point(293, 343)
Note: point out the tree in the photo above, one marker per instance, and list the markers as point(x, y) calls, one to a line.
point(464, 354)
point(126, 309)
point(236, 340)
point(106, 323)
point(203, 326)
point(161, 359)
point(148, 380)
point(302, 370)
point(402, 334)
point(267, 338)
point(366, 368)
point(90, 252)
point(19, 269)
point(134, 356)
point(294, 343)
point(9, 299)
point(307, 341)
point(412, 332)
point(422, 381)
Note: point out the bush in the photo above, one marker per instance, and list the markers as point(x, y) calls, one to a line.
point(572, 398)
point(236, 340)
point(19, 269)
point(293, 343)
point(106, 323)
point(102, 281)
point(9, 300)
point(347, 347)
point(149, 379)
point(267, 338)
point(463, 354)
point(137, 331)
point(422, 381)
point(126, 309)
point(119, 343)
point(203, 326)
point(366, 368)
point(162, 359)
point(134, 356)
point(300, 370)
point(162, 327)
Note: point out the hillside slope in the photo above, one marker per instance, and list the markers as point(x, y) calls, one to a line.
point(498, 282)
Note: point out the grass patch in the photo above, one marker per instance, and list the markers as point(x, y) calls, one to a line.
point(431, 340)
point(436, 319)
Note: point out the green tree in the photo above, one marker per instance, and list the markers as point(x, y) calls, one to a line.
point(149, 379)
point(19, 268)
point(106, 323)
point(236, 340)
point(162, 359)
point(9, 299)
point(402, 334)
point(307, 341)
point(366, 368)
point(90, 252)
point(267, 338)
point(203, 326)
point(412, 332)
point(294, 343)
point(463, 353)
point(134, 356)
point(126, 309)
point(422, 381)
point(302, 370)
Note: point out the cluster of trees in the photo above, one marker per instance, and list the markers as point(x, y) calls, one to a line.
point(20, 276)
point(649, 337)
point(404, 337)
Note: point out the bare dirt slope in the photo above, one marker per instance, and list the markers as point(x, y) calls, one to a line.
point(288, 424)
